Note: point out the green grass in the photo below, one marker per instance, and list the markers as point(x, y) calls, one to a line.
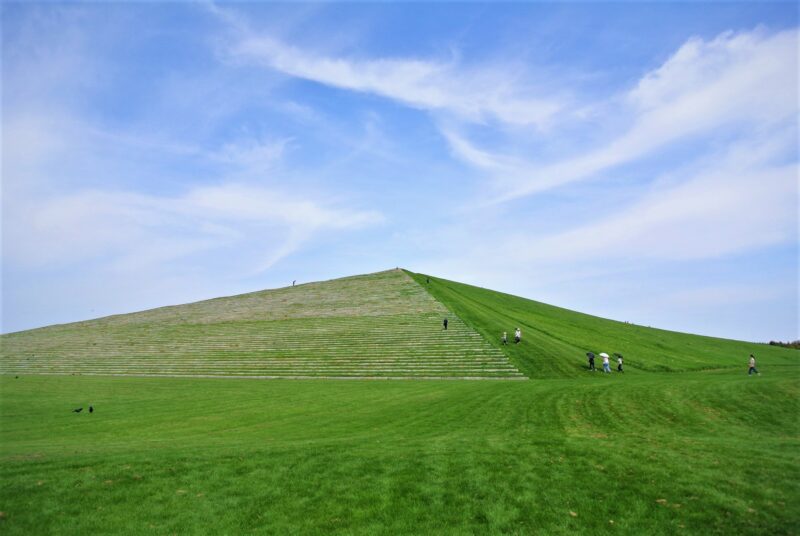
point(555, 340)
point(194, 456)
point(683, 442)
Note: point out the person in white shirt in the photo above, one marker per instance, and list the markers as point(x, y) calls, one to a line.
point(753, 366)
point(517, 336)
point(606, 366)
point(505, 338)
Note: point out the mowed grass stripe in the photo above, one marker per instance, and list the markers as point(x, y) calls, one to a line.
point(657, 454)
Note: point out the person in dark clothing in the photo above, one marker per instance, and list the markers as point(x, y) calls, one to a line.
point(590, 355)
point(505, 338)
point(91, 409)
point(619, 362)
point(444, 323)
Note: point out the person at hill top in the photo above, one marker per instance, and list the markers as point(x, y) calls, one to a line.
point(606, 366)
point(444, 323)
point(590, 355)
point(753, 366)
point(517, 336)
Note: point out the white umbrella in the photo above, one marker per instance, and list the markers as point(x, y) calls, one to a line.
point(604, 354)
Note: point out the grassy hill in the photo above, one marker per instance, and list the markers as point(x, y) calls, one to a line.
point(383, 325)
point(683, 443)
point(556, 340)
point(380, 325)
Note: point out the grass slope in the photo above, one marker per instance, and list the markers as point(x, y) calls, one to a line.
point(379, 325)
point(555, 340)
point(700, 453)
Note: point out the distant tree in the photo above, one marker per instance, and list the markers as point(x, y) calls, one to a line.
point(791, 344)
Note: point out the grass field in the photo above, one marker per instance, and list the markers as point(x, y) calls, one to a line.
point(683, 442)
point(702, 452)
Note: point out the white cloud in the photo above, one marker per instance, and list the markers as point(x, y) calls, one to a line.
point(739, 66)
point(746, 80)
point(475, 156)
point(252, 154)
point(738, 200)
point(724, 212)
point(102, 225)
point(735, 202)
point(475, 94)
point(125, 196)
point(246, 203)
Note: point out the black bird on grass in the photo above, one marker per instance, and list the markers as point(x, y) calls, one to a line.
point(77, 410)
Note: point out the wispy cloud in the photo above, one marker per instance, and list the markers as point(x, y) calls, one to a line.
point(725, 211)
point(474, 93)
point(112, 225)
point(253, 154)
point(735, 200)
point(246, 203)
point(127, 196)
point(734, 81)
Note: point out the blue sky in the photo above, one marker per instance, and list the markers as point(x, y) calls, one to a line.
point(634, 161)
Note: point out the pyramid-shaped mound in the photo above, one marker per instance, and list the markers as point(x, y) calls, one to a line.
point(383, 325)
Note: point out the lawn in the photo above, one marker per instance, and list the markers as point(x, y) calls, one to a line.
point(700, 452)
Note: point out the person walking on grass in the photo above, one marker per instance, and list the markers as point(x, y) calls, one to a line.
point(517, 336)
point(504, 339)
point(753, 366)
point(444, 323)
point(619, 362)
point(606, 366)
point(590, 355)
